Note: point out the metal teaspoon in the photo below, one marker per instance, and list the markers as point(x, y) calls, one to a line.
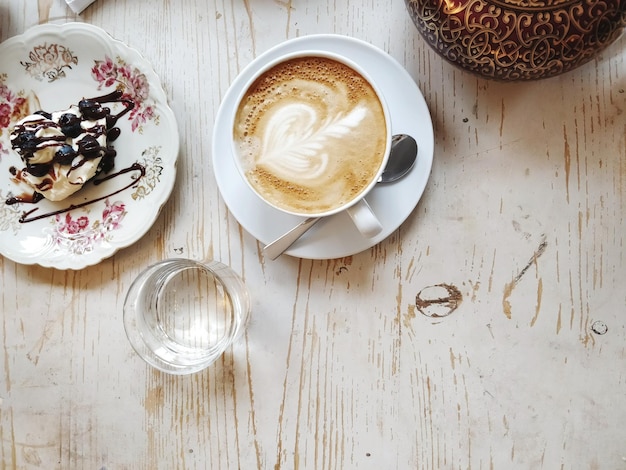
point(401, 160)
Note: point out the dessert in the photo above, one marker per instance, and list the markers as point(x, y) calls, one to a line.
point(63, 150)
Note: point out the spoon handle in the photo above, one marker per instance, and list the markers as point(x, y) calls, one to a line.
point(276, 248)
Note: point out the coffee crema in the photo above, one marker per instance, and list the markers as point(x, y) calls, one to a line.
point(311, 134)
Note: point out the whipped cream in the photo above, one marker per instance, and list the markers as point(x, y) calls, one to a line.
point(65, 149)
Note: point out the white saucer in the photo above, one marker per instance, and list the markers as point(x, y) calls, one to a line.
point(336, 236)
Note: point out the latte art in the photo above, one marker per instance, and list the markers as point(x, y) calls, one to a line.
point(311, 135)
point(294, 143)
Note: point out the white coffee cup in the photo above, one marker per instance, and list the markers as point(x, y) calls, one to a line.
point(312, 135)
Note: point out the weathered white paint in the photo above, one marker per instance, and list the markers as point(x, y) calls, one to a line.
point(524, 215)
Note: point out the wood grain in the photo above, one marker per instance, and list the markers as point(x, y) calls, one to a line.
point(359, 362)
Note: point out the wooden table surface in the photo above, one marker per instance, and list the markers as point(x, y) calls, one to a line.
point(341, 366)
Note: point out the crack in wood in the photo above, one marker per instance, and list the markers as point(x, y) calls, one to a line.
point(508, 288)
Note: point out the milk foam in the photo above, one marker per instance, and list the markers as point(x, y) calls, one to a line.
point(311, 134)
point(295, 144)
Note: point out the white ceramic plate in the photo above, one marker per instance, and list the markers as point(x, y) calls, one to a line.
point(50, 67)
point(336, 236)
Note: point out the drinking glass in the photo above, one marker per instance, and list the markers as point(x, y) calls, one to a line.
point(180, 315)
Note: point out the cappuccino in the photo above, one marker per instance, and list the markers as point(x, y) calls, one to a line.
point(311, 135)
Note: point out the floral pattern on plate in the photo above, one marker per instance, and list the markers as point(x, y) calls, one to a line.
point(153, 164)
point(49, 62)
point(132, 83)
point(79, 61)
point(9, 216)
point(13, 107)
point(80, 234)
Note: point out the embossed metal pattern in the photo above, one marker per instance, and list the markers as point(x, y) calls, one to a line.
point(518, 39)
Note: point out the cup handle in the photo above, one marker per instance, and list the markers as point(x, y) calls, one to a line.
point(364, 219)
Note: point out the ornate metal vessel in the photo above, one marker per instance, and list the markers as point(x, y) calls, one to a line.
point(518, 39)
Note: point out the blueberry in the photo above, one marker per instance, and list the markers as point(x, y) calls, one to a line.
point(70, 125)
point(38, 170)
point(89, 147)
point(65, 155)
point(26, 143)
point(92, 109)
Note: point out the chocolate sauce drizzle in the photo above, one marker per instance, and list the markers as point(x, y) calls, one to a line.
point(134, 167)
point(26, 142)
